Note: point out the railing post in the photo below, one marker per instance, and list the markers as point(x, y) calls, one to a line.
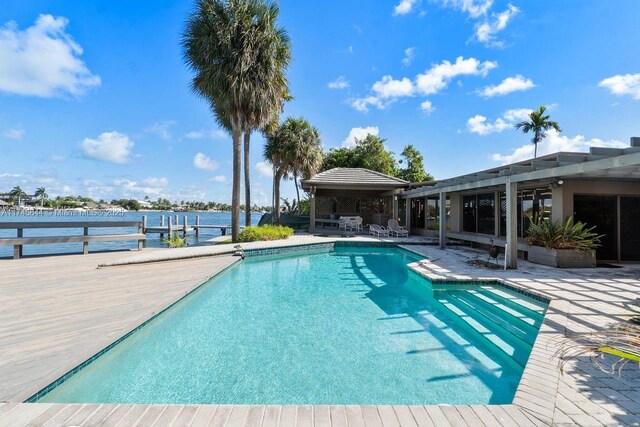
point(17, 249)
point(162, 225)
point(184, 226)
point(197, 224)
point(85, 245)
point(142, 229)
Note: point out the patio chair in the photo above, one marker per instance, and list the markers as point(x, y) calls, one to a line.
point(343, 223)
point(396, 230)
point(357, 224)
point(378, 230)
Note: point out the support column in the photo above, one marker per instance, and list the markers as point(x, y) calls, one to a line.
point(407, 215)
point(511, 252)
point(442, 220)
point(312, 209)
point(394, 206)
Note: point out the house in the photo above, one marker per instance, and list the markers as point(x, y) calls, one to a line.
point(600, 188)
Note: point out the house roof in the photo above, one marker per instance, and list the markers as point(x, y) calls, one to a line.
point(3, 203)
point(357, 178)
point(598, 163)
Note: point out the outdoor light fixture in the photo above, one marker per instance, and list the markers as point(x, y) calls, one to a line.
point(557, 183)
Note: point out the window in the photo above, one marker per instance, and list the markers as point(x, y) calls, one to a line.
point(533, 204)
point(629, 230)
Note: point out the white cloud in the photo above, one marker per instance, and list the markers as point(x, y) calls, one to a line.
point(475, 8)
point(201, 161)
point(427, 107)
point(42, 60)
point(439, 75)
point(362, 104)
point(359, 133)
point(57, 158)
point(409, 56)
point(16, 134)
point(130, 188)
point(218, 178)
point(555, 143)
point(200, 134)
point(339, 83)
point(161, 129)
point(487, 30)
point(113, 147)
point(264, 169)
point(516, 83)
point(155, 182)
point(390, 88)
point(404, 7)
point(623, 84)
point(478, 124)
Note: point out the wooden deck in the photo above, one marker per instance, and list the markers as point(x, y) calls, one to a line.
point(59, 311)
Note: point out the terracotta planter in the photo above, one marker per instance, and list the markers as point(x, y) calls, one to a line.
point(562, 258)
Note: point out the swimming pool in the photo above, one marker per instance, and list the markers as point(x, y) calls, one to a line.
point(346, 325)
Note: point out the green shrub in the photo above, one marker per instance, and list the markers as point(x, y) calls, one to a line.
point(175, 241)
point(557, 235)
point(265, 232)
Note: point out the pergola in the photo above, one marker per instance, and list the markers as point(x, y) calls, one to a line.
point(611, 166)
point(352, 191)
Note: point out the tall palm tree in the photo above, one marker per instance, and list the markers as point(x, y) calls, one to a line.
point(539, 124)
point(275, 151)
point(239, 56)
point(41, 193)
point(303, 149)
point(294, 150)
point(17, 193)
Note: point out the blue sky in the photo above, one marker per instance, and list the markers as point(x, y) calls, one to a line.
point(94, 95)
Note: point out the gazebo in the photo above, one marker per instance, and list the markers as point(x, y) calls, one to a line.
point(352, 192)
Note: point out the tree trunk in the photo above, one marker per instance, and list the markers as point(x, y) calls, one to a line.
point(247, 180)
point(535, 150)
point(276, 197)
point(235, 197)
point(295, 182)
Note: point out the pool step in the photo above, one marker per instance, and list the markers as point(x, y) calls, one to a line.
point(520, 324)
point(508, 341)
point(527, 306)
point(492, 343)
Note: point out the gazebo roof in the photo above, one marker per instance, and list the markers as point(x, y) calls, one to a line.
point(3, 203)
point(353, 178)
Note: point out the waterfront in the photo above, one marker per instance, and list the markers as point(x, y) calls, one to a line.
point(153, 219)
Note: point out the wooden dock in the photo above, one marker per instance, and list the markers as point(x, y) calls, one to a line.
point(173, 225)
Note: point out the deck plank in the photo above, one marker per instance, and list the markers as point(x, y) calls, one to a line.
point(237, 416)
point(421, 416)
point(20, 417)
point(254, 417)
point(404, 416)
point(220, 416)
point(203, 416)
point(96, 418)
point(354, 416)
point(184, 417)
point(288, 416)
point(388, 416)
point(338, 416)
point(271, 416)
point(371, 416)
point(321, 416)
point(437, 416)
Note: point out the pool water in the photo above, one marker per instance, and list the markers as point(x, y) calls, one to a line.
point(341, 326)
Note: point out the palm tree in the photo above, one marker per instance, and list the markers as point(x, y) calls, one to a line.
point(303, 149)
point(239, 57)
point(294, 150)
point(275, 151)
point(41, 193)
point(539, 124)
point(17, 193)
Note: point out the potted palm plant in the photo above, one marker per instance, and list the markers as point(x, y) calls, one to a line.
point(564, 245)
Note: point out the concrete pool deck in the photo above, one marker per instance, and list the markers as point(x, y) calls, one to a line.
point(60, 310)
